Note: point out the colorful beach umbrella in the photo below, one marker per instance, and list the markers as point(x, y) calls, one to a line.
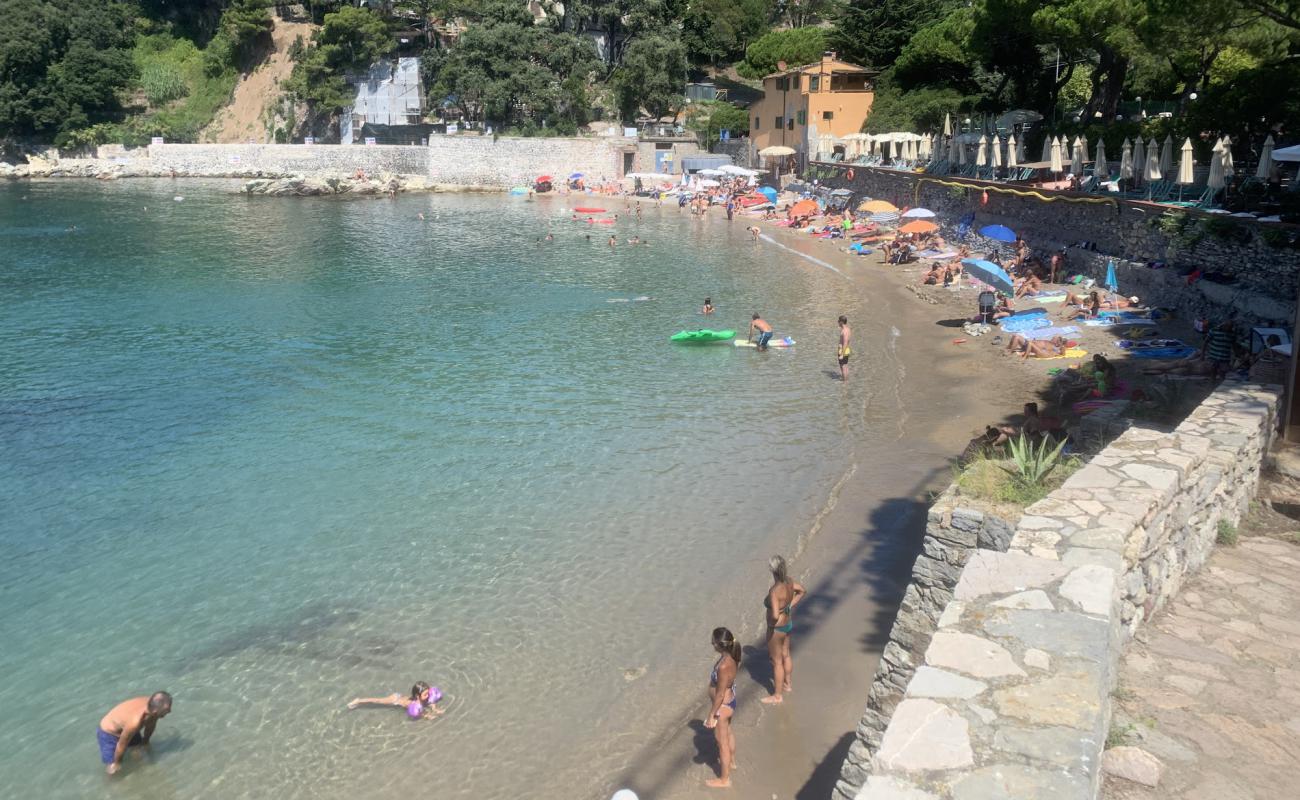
point(990, 273)
point(768, 192)
point(919, 226)
point(918, 213)
point(999, 233)
point(804, 207)
point(877, 206)
point(885, 217)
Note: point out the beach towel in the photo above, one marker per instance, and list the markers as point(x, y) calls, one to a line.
point(1107, 322)
point(1146, 344)
point(1085, 407)
point(1023, 324)
point(1145, 313)
point(936, 255)
point(1163, 352)
point(1073, 352)
point(1047, 333)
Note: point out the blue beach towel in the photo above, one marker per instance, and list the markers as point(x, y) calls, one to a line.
point(1047, 333)
point(1163, 352)
point(1023, 324)
point(1107, 322)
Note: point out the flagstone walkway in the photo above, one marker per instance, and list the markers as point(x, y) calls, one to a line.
point(1208, 703)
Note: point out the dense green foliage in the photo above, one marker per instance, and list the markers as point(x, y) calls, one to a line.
point(711, 117)
point(794, 46)
point(513, 74)
point(715, 31)
point(350, 40)
point(651, 76)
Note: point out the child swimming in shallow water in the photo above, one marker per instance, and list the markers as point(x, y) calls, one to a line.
point(421, 693)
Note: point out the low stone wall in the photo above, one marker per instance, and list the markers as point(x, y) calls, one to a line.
point(1265, 278)
point(1011, 696)
point(953, 530)
point(477, 161)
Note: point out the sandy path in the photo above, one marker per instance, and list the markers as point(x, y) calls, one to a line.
point(243, 119)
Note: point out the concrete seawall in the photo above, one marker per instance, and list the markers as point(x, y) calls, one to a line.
point(1005, 690)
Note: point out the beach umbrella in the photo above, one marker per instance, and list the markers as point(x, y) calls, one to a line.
point(1111, 281)
point(893, 149)
point(1020, 149)
point(804, 207)
point(1100, 169)
point(1229, 169)
point(919, 226)
point(1048, 143)
point(885, 217)
point(1139, 156)
point(990, 273)
point(1167, 156)
point(1265, 159)
point(768, 192)
point(954, 150)
point(776, 151)
point(1000, 233)
point(995, 153)
point(1216, 180)
point(961, 154)
point(918, 213)
point(1185, 173)
point(877, 206)
point(1126, 161)
point(1152, 169)
point(947, 124)
point(1012, 159)
point(1076, 158)
point(1056, 157)
point(982, 155)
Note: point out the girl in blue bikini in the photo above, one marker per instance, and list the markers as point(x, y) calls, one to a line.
point(722, 693)
point(781, 599)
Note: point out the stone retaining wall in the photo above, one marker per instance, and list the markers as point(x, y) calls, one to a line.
point(480, 161)
point(1265, 279)
point(1011, 696)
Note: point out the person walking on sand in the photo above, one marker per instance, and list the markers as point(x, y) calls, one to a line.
point(130, 724)
point(781, 599)
point(843, 352)
point(764, 331)
point(722, 694)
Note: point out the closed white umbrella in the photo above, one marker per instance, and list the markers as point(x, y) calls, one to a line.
point(1076, 158)
point(1215, 181)
point(1126, 161)
point(1185, 164)
point(1020, 149)
point(1229, 169)
point(954, 152)
point(1152, 148)
point(1100, 169)
point(1139, 157)
point(893, 149)
point(947, 124)
point(1167, 156)
point(995, 154)
point(1056, 157)
point(1012, 161)
point(1152, 170)
point(961, 153)
point(1265, 159)
point(1048, 143)
point(982, 156)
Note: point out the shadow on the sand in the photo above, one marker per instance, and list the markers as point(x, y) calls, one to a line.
point(876, 572)
point(952, 323)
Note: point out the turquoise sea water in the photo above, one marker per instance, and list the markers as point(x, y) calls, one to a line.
point(271, 454)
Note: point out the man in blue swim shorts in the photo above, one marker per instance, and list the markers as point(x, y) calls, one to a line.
point(130, 724)
point(764, 331)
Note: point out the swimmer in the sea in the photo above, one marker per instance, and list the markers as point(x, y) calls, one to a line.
point(613, 242)
point(421, 693)
point(708, 306)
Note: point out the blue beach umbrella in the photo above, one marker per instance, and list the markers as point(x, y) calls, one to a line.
point(999, 233)
point(990, 273)
point(1111, 281)
point(575, 175)
point(768, 192)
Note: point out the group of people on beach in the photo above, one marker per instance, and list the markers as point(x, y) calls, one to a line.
point(782, 598)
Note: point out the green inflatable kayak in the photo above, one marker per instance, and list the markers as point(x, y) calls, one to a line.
point(703, 336)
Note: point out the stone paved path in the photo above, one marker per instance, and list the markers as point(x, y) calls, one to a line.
point(1211, 686)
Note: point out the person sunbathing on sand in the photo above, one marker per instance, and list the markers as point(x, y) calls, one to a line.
point(1030, 285)
point(1088, 308)
point(1037, 348)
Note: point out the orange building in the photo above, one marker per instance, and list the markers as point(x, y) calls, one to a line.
point(830, 97)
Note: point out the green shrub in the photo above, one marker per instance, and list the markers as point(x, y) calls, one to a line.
point(162, 83)
point(1227, 533)
point(1034, 462)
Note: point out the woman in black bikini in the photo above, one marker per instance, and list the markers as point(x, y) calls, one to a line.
point(722, 692)
point(781, 599)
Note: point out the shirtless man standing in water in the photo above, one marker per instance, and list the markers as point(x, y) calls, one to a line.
point(843, 352)
point(129, 724)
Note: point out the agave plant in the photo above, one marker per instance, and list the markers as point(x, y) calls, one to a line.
point(1033, 463)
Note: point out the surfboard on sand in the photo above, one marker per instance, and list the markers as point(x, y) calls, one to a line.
point(784, 341)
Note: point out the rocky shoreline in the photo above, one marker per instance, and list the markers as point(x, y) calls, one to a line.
point(272, 184)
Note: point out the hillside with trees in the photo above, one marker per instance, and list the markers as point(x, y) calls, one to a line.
point(125, 70)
